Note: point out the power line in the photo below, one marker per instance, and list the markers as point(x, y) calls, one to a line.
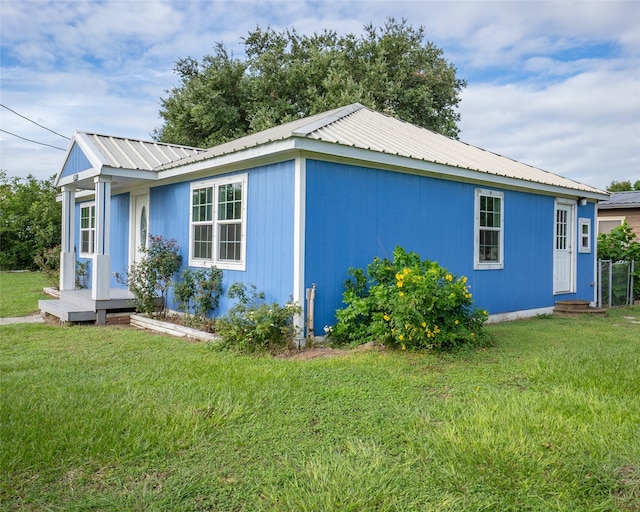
point(32, 121)
point(29, 140)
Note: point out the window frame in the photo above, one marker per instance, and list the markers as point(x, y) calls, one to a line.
point(477, 263)
point(91, 205)
point(582, 247)
point(214, 184)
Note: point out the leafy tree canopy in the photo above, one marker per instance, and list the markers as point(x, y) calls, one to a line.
point(623, 186)
point(287, 76)
point(30, 220)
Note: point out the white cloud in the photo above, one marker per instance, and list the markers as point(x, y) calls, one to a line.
point(554, 84)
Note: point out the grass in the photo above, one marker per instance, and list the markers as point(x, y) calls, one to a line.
point(97, 418)
point(20, 291)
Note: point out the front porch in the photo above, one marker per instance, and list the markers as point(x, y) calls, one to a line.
point(79, 306)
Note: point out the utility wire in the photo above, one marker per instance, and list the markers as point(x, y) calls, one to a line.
point(34, 141)
point(32, 121)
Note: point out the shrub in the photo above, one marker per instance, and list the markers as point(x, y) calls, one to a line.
point(151, 276)
point(621, 244)
point(252, 325)
point(408, 303)
point(48, 261)
point(198, 293)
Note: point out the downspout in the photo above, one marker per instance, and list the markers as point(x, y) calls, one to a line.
point(311, 299)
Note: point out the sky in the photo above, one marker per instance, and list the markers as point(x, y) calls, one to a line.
point(554, 84)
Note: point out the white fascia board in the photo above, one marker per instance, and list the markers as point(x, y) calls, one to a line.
point(416, 166)
point(236, 158)
point(90, 151)
point(89, 174)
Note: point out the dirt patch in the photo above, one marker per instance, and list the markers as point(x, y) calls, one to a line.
point(324, 351)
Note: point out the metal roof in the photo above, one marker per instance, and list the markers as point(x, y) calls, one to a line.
point(360, 127)
point(630, 199)
point(123, 153)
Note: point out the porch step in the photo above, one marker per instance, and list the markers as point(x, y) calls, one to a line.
point(66, 312)
point(569, 308)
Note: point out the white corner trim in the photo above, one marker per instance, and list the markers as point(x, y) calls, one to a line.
point(299, 224)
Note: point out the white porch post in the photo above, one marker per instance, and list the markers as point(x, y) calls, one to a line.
point(67, 251)
point(101, 271)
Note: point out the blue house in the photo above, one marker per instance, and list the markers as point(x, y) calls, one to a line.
point(299, 204)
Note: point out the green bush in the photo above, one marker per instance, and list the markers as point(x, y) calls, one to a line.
point(252, 325)
point(151, 277)
point(198, 294)
point(621, 244)
point(408, 303)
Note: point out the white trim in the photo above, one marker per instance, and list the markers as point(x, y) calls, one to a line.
point(84, 254)
point(620, 219)
point(519, 315)
point(299, 225)
point(584, 221)
point(477, 264)
point(571, 243)
point(133, 220)
point(215, 183)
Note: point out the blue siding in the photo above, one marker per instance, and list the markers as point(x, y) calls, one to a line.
point(356, 213)
point(119, 249)
point(77, 162)
point(269, 254)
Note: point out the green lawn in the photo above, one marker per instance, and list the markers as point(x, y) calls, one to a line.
point(20, 291)
point(110, 419)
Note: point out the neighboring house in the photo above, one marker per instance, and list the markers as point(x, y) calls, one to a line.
point(619, 207)
point(299, 204)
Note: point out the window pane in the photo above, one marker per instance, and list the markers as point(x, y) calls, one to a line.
point(202, 242)
point(84, 244)
point(230, 201)
point(230, 241)
point(202, 205)
point(489, 246)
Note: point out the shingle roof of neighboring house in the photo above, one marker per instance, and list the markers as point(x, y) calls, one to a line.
point(360, 127)
point(124, 153)
point(629, 199)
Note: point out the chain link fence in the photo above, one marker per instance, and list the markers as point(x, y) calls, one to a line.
point(618, 283)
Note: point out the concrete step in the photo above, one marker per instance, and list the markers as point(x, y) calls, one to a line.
point(66, 312)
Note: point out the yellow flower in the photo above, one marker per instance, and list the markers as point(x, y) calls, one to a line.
point(424, 324)
point(399, 277)
point(457, 322)
point(449, 277)
point(399, 284)
point(401, 294)
point(401, 337)
point(464, 279)
point(387, 317)
point(403, 347)
point(406, 271)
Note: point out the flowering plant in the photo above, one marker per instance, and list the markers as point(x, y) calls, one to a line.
point(409, 303)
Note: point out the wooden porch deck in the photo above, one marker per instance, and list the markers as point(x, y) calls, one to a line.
point(78, 306)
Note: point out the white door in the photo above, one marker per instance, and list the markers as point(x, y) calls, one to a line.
point(563, 256)
point(140, 234)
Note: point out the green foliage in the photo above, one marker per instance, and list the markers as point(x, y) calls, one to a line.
point(198, 293)
point(619, 244)
point(30, 220)
point(83, 269)
point(151, 277)
point(252, 325)
point(408, 303)
point(623, 186)
point(287, 76)
point(48, 261)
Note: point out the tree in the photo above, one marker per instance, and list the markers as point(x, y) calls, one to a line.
point(287, 76)
point(623, 186)
point(30, 220)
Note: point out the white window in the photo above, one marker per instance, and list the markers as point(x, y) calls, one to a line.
point(218, 222)
point(489, 230)
point(87, 229)
point(584, 235)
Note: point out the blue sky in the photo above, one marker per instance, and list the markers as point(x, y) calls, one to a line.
point(553, 84)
